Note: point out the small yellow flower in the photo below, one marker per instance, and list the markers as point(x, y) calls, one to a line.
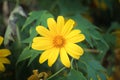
point(3, 54)
point(58, 39)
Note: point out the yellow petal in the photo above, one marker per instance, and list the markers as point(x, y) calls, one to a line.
point(64, 57)
point(60, 23)
point(73, 33)
point(41, 39)
point(42, 31)
point(53, 56)
point(44, 56)
point(4, 52)
point(1, 40)
point(4, 60)
point(41, 43)
point(2, 68)
point(68, 27)
point(76, 38)
point(51, 24)
point(74, 50)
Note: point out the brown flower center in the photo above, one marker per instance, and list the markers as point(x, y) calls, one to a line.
point(58, 41)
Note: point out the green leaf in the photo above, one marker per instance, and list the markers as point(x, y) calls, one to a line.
point(43, 20)
point(33, 33)
point(110, 39)
point(39, 17)
point(95, 34)
point(32, 17)
point(75, 75)
point(92, 34)
point(88, 38)
point(34, 54)
point(114, 25)
point(88, 29)
point(24, 55)
point(102, 47)
point(66, 8)
point(28, 53)
point(91, 68)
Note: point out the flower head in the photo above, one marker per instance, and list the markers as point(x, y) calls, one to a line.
point(58, 39)
point(3, 54)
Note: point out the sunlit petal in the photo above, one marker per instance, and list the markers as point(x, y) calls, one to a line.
point(4, 52)
point(68, 27)
point(64, 57)
point(4, 60)
point(76, 38)
point(73, 33)
point(60, 23)
point(42, 31)
point(41, 39)
point(1, 40)
point(2, 68)
point(53, 56)
point(52, 25)
point(74, 50)
point(40, 43)
point(44, 56)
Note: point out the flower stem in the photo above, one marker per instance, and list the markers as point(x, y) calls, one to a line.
point(18, 36)
point(72, 63)
point(92, 50)
point(56, 73)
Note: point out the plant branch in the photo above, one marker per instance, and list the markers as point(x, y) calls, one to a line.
point(56, 73)
point(92, 50)
point(72, 63)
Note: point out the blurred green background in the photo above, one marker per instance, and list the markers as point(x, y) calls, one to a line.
point(105, 14)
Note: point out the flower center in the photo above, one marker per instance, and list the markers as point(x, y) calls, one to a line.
point(58, 41)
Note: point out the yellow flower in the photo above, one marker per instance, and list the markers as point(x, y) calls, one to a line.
point(58, 39)
point(3, 54)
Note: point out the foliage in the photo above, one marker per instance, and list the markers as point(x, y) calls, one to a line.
point(98, 47)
